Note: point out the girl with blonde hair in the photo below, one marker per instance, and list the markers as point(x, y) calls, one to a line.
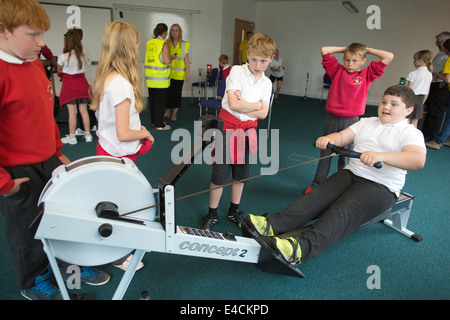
point(419, 81)
point(118, 100)
point(117, 97)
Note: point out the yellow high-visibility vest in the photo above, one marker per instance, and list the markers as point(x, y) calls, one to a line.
point(178, 67)
point(157, 74)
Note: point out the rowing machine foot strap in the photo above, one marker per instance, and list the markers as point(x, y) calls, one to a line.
point(269, 261)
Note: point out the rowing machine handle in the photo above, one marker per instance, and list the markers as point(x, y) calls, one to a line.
point(349, 153)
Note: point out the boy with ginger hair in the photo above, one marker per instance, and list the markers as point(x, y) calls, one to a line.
point(29, 143)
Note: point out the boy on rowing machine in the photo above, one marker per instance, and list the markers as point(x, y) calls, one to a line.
point(359, 192)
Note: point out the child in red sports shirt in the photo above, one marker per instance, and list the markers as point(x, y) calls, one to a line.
point(347, 97)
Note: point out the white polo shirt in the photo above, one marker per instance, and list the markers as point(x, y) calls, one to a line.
point(240, 78)
point(70, 65)
point(117, 90)
point(372, 135)
point(421, 79)
point(277, 64)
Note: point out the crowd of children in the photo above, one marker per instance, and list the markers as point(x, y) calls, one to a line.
point(334, 203)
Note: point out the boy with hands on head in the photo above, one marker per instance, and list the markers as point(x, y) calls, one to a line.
point(347, 96)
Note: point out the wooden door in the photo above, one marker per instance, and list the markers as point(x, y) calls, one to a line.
point(241, 27)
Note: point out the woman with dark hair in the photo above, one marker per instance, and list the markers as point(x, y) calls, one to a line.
point(157, 75)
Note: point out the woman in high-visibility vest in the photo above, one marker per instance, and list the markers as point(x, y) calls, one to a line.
point(157, 75)
point(179, 50)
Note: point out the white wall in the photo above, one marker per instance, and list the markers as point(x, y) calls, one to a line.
point(206, 27)
point(301, 28)
point(232, 9)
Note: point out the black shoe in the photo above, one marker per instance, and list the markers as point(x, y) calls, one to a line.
point(88, 275)
point(208, 222)
point(94, 277)
point(232, 215)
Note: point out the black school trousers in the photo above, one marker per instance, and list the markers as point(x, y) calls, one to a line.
point(157, 103)
point(332, 124)
point(338, 206)
point(28, 256)
point(436, 105)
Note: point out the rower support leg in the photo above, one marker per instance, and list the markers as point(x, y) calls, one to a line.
point(128, 275)
point(124, 282)
point(399, 218)
point(54, 265)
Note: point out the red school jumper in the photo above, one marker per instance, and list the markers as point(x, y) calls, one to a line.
point(28, 131)
point(347, 96)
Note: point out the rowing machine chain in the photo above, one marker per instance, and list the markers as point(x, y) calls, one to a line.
point(231, 183)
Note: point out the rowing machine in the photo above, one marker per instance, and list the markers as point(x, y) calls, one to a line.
point(99, 209)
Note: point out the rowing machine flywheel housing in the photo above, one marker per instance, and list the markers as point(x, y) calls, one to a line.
point(82, 203)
